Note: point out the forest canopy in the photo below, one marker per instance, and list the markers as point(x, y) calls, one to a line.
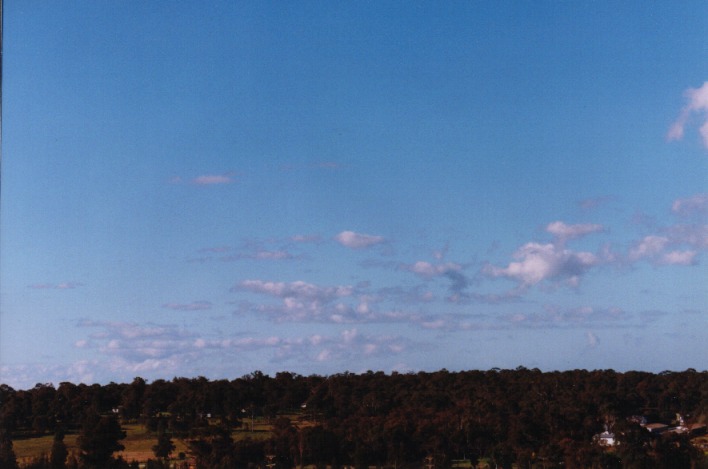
point(520, 416)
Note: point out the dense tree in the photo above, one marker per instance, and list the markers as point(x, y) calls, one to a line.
point(522, 416)
point(634, 445)
point(132, 397)
point(57, 458)
point(284, 443)
point(8, 460)
point(165, 446)
point(214, 451)
point(99, 439)
point(675, 451)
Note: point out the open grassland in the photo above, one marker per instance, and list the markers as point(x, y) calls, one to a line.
point(138, 441)
point(138, 445)
point(28, 448)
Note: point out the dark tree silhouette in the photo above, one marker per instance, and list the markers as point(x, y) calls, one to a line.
point(521, 416)
point(99, 439)
point(8, 460)
point(164, 446)
point(57, 459)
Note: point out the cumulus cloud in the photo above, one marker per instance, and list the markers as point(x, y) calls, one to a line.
point(538, 262)
point(565, 232)
point(354, 240)
point(552, 262)
point(24, 376)
point(298, 289)
point(678, 244)
point(166, 348)
point(697, 104)
point(123, 350)
point(132, 347)
point(304, 301)
point(694, 205)
point(449, 270)
point(650, 246)
point(679, 258)
point(654, 249)
point(428, 270)
point(349, 344)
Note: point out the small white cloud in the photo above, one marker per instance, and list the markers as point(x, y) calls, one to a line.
point(302, 300)
point(679, 258)
point(655, 249)
point(697, 103)
point(592, 340)
point(297, 289)
point(434, 324)
point(349, 335)
point(354, 240)
point(538, 262)
point(650, 246)
point(273, 255)
point(696, 204)
point(426, 269)
point(113, 344)
point(564, 232)
point(260, 255)
point(212, 179)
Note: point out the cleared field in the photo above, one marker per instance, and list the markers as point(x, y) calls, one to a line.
point(138, 445)
point(138, 442)
point(29, 448)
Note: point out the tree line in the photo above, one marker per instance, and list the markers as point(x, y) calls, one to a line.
point(511, 418)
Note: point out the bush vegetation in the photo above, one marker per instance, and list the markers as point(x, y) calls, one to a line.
point(507, 418)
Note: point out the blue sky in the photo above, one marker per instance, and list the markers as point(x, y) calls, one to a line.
point(320, 187)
